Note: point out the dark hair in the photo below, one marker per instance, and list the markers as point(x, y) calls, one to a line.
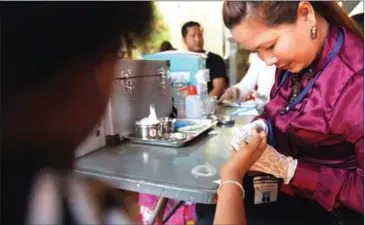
point(166, 46)
point(39, 41)
point(39, 38)
point(359, 19)
point(186, 26)
point(275, 13)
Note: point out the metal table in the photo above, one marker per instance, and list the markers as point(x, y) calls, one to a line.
point(164, 171)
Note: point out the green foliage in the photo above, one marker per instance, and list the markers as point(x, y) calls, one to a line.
point(160, 33)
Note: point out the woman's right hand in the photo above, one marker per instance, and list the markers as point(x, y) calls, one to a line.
point(245, 134)
point(241, 161)
point(231, 94)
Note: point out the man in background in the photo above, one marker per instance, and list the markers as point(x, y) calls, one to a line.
point(192, 34)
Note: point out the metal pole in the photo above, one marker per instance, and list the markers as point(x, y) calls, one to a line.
point(156, 211)
point(173, 210)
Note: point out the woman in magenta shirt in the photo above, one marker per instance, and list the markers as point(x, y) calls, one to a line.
point(315, 118)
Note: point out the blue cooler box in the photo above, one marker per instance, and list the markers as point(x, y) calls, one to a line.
point(182, 64)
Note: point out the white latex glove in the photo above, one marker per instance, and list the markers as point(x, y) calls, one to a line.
point(260, 97)
point(279, 165)
point(260, 101)
point(244, 133)
point(231, 94)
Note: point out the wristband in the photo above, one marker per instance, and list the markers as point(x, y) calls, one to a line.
point(232, 182)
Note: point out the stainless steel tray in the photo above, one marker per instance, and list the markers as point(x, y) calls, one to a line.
point(191, 135)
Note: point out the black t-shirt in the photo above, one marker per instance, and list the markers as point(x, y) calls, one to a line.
point(217, 69)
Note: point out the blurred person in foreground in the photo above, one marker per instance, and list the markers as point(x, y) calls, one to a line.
point(53, 99)
point(53, 93)
point(192, 34)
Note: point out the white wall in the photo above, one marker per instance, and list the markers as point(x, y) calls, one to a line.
point(208, 14)
point(358, 9)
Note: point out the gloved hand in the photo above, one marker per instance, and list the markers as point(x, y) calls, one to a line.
point(260, 97)
point(260, 101)
point(240, 162)
point(277, 164)
point(245, 134)
point(231, 94)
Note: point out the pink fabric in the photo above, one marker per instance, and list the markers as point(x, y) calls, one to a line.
point(325, 131)
point(185, 215)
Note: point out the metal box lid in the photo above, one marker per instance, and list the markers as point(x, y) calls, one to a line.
point(128, 68)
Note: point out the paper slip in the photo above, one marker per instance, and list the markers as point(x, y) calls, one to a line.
point(217, 182)
point(248, 112)
point(247, 104)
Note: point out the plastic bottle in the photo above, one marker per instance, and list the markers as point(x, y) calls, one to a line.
point(202, 87)
point(194, 107)
point(179, 97)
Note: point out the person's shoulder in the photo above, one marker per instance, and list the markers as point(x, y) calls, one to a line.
point(214, 56)
point(346, 71)
point(352, 52)
point(348, 64)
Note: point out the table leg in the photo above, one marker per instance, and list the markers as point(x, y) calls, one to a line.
point(159, 208)
point(173, 210)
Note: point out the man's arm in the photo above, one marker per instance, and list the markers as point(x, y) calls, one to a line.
point(219, 85)
point(218, 76)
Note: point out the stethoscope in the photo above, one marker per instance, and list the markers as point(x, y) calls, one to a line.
point(303, 93)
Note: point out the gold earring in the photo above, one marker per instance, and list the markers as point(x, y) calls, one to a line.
point(314, 32)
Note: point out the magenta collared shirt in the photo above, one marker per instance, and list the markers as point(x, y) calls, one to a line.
point(325, 131)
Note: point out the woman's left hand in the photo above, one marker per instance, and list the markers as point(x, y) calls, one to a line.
point(241, 161)
point(275, 163)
